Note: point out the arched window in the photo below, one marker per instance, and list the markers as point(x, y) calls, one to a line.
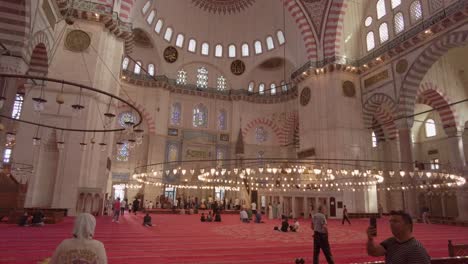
point(416, 11)
point(181, 77)
point(176, 114)
point(280, 36)
point(261, 134)
point(222, 122)
point(269, 42)
point(180, 40)
point(192, 45)
point(205, 49)
point(370, 41)
point(168, 34)
point(374, 140)
point(17, 107)
point(395, 3)
point(146, 7)
point(202, 78)
point(221, 83)
point(272, 89)
point(150, 18)
point(158, 26)
point(383, 32)
point(232, 51)
point(200, 116)
point(123, 152)
point(258, 47)
point(368, 21)
point(399, 23)
point(284, 86)
point(151, 69)
point(381, 11)
point(430, 128)
point(125, 63)
point(245, 50)
point(7, 155)
point(250, 89)
point(219, 51)
point(137, 69)
point(173, 153)
point(261, 88)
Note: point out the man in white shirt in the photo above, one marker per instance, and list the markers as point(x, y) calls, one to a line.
point(254, 208)
point(244, 216)
point(319, 225)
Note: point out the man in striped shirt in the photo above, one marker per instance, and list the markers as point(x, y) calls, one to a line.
point(402, 247)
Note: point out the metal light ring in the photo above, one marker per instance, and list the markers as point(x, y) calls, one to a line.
point(78, 86)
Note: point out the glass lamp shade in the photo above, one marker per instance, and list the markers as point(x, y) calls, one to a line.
point(59, 99)
point(108, 118)
point(119, 144)
point(77, 109)
point(103, 146)
point(83, 146)
point(131, 143)
point(2, 101)
point(10, 137)
point(60, 145)
point(36, 141)
point(39, 104)
point(2, 127)
point(129, 126)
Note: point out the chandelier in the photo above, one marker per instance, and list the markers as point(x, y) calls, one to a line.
point(123, 186)
point(285, 175)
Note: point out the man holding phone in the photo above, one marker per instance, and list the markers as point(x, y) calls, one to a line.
point(402, 247)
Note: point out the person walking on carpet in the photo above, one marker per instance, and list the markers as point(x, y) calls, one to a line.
point(319, 225)
point(345, 216)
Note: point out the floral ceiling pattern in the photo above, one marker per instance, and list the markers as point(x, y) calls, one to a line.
point(223, 7)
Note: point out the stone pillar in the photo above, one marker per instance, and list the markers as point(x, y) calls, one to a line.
point(462, 201)
point(442, 201)
point(281, 205)
point(305, 207)
point(456, 150)
point(406, 157)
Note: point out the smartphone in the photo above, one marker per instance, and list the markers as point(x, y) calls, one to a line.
point(373, 224)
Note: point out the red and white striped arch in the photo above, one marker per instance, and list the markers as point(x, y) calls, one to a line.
point(380, 110)
point(421, 66)
point(307, 31)
point(262, 121)
point(14, 25)
point(429, 94)
point(334, 28)
point(37, 53)
point(290, 130)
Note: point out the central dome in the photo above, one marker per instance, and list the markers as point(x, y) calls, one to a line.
point(223, 6)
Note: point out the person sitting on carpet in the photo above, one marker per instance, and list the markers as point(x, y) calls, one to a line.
point(217, 216)
point(258, 217)
point(244, 216)
point(202, 218)
point(24, 220)
point(82, 248)
point(38, 218)
point(147, 220)
point(209, 218)
point(284, 225)
point(295, 227)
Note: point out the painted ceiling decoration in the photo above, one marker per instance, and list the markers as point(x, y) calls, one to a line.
point(223, 7)
point(141, 38)
point(316, 9)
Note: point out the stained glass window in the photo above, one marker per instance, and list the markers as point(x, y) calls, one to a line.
point(269, 42)
point(17, 107)
point(181, 77)
point(370, 41)
point(368, 21)
point(192, 45)
point(200, 116)
point(415, 11)
point(381, 10)
point(205, 49)
point(151, 69)
point(125, 63)
point(158, 26)
point(399, 22)
point(221, 83)
point(172, 153)
point(260, 134)
point(146, 7)
point(232, 51)
point(258, 47)
point(280, 36)
point(220, 156)
point(272, 89)
point(7, 155)
point(180, 40)
point(176, 110)
point(430, 127)
point(123, 152)
point(219, 51)
point(395, 3)
point(202, 78)
point(150, 18)
point(261, 88)
point(137, 69)
point(284, 86)
point(251, 87)
point(125, 118)
point(383, 32)
point(222, 120)
point(374, 140)
point(245, 50)
point(168, 34)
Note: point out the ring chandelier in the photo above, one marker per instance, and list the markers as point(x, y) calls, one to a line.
point(127, 186)
point(59, 87)
point(283, 175)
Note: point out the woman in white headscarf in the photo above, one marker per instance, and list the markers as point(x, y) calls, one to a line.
point(82, 248)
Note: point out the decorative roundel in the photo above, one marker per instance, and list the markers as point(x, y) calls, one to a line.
point(77, 40)
point(126, 118)
point(349, 90)
point(170, 54)
point(305, 96)
point(223, 6)
point(401, 66)
point(237, 67)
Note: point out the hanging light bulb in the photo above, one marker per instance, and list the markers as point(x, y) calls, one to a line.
point(77, 110)
point(60, 145)
point(103, 146)
point(402, 173)
point(260, 170)
point(83, 146)
point(391, 173)
point(192, 171)
point(36, 141)
point(39, 104)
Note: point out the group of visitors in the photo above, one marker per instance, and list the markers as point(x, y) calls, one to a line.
point(209, 217)
point(37, 219)
point(285, 225)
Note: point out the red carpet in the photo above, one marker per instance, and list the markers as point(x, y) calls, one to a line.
point(183, 239)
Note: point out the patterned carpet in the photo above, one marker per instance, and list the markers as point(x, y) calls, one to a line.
point(184, 239)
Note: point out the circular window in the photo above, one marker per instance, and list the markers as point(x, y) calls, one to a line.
point(368, 21)
point(127, 119)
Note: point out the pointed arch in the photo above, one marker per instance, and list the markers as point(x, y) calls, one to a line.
point(334, 28)
point(38, 64)
point(379, 114)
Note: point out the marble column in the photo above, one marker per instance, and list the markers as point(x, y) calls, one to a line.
point(293, 205)
point(456, 151)
point(305, 207)
point(406, 159)
point(462, 202)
